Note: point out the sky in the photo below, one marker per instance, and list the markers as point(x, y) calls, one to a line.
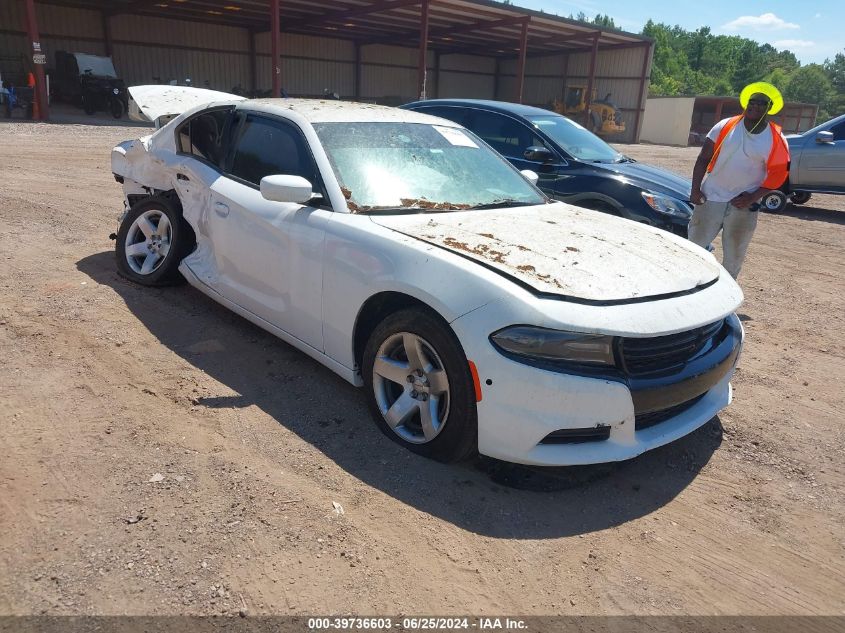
point(812, 29)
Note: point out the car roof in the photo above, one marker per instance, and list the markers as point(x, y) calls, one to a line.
point(334, 111)
point(518, 109)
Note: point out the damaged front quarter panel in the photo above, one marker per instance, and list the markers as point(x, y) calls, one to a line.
point(139, 168)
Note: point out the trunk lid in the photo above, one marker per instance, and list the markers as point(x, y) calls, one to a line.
point(159, 104)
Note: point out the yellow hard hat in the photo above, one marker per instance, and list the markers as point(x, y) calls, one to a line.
point(765, 88)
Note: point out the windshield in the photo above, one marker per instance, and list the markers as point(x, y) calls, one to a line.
point(578, 142)
point(417, 166)
point(95, 65)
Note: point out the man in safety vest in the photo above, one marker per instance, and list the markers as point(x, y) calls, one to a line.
point(743, 158)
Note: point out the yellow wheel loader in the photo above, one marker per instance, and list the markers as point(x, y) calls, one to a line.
point(604, 117)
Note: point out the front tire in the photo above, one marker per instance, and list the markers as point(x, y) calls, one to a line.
point(153, 238)
point(89, 104)
point(773, 202)
point(116, 108)
point(595, 122)
point(419, 386)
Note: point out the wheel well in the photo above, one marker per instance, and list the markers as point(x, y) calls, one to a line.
point(375, 310)
point(599, 205)
point(170, 195)
point(172, 198)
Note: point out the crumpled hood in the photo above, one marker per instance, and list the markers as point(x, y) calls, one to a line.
point(565, 250)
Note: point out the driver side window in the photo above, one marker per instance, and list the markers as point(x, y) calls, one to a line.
point(267, 147)
point(507, 136)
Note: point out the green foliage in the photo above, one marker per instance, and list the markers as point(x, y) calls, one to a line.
point(693, 63)
point(604, 20)
point(599, 20)
point(811, 84)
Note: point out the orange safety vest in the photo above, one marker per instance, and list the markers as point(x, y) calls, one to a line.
point(777, 165)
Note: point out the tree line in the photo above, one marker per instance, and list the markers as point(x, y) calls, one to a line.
point(692, 63)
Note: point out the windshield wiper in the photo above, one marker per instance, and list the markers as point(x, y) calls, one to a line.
point(499, 204)
point(389, 210)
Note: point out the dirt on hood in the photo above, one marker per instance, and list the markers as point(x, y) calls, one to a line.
point(565, 250)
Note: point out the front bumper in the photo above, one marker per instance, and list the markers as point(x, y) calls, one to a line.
point(521, 405)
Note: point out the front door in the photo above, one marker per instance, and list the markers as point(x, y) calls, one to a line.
point(269, 255)
point(822, 165)
point(511, 138)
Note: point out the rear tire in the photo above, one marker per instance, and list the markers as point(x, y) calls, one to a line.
point(419, 386)
point(801, 197)
point(151, 242)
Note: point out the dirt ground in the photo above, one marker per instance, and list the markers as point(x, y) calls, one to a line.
point(161, 455)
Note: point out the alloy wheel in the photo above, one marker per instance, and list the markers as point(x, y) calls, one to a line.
point(411, 387)
point(148, 242)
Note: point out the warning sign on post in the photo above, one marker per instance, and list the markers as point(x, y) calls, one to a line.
point(39, 59)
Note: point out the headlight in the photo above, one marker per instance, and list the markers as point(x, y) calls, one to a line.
point(554, 345)
point(667, 205)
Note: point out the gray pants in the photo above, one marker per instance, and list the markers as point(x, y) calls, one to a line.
point(737, 226)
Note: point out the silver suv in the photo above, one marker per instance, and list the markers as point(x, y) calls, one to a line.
point(818, 165)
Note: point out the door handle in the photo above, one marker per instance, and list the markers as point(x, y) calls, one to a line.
point(182, 177)
point(221, 209)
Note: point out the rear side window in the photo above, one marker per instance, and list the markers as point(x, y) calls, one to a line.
point(266, 147)
point(202, 136)
point(458, 115)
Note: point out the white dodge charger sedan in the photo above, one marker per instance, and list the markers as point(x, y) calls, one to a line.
point(404, 254)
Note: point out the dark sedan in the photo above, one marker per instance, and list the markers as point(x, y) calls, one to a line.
point(574, 164)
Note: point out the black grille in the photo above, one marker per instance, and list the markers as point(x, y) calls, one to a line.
point(577, 436)
point(660, 354)
point(645, 420)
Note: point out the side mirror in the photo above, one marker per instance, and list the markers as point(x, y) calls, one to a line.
point(286, 189)
point(824, 137)
point(530, 176)
point(538, 153)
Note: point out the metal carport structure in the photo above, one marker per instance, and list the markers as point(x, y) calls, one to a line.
point(510, 35)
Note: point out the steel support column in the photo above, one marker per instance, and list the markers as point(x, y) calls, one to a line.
point(643, 76)
point(435, 93)
point(423, 55)
point(253, 60)
point(588, 98)
point(523, 53)
point(357, 87)
point(35, 49)
point(719, 105)
point(275, 48)
point(107, 40)
point(565, 78)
